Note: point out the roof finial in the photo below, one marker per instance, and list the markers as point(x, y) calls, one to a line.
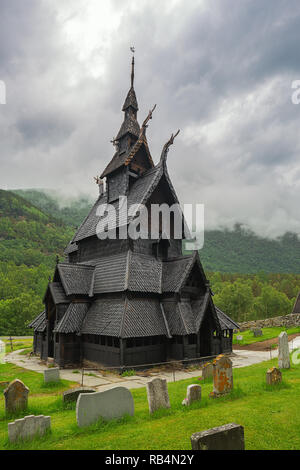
point(145, 123)
point(165, 149)
point(132, 65)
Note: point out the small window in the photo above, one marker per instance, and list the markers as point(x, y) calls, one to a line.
point(116, 342)
point(109, 341)
point(102, 340)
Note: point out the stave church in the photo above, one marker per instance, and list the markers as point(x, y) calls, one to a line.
point(123, 301)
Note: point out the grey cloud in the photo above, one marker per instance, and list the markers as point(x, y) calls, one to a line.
point(222, 73)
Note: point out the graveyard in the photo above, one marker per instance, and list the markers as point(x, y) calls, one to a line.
point(260, 408)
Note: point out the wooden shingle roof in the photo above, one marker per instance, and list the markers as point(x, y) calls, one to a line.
point(72, 320)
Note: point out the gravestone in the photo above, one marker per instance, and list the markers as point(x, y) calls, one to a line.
point(28, 427)
point(207, 370)
point(157, 393)
point(227, 437)
point(283, 351)
point(273, 376)
point(16, 396)
point(257, 332)
point(73, 393)
point(111, 404)
point(222, 376)
point(193, 394)
point(51, 375)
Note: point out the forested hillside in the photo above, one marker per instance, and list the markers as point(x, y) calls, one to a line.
point(30, 240)
point(70, 212)
point(242, 251)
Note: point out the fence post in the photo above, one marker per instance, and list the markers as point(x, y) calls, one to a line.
point(82, 377)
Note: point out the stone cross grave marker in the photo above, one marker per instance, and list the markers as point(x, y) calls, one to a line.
point(193, 394)
point(273, 376)
point(28, 427)
point(157, 393)
point(227, 437)
point(111, 404)
point(16, 396)
point(222, 376)
point(283, 351)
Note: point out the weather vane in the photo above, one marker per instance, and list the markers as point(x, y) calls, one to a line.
point(132, 48)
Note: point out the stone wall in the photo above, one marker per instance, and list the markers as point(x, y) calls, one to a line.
point(286, 320)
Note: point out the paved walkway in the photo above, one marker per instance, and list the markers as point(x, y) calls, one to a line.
point(92, 378)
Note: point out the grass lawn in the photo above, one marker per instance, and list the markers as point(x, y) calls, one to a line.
point(268, 333)
point(270, 415)
point(18, 343)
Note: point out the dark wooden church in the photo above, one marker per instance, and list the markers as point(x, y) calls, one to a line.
point(124, 302)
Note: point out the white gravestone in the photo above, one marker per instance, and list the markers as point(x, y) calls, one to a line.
point(111, 404)
point(283, 351)
point(51, 375)
point(28, 427)
point(157, 393)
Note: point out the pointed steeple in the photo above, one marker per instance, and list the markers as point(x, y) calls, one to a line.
point(130, 127)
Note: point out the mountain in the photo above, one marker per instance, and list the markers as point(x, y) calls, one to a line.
point(242, 251)
point(28, 235)
point(70, 212)
point(232, 251)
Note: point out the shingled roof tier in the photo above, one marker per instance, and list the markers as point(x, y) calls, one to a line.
point(225, 322)
point(139, 193)
point(39, 324)
point(125, 318)
point(72, 320)
point(130, 100)
point(127, 270)
point(58, 293)
point(76, 278)
point(125, 157)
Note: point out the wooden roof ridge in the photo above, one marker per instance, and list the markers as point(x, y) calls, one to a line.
point(182, 318)
point(165, 320)
point(187, 270)
point(142, 140)
point(123, 318)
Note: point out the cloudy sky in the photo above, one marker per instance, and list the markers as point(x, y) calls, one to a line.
point(220, 70)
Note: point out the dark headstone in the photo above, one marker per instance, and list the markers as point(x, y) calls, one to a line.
point(257, 332)
point(273, 376)
point(73, 393)
point(227, 437)
point(16, 396)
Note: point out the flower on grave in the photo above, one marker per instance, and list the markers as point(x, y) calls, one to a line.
point(185, 401)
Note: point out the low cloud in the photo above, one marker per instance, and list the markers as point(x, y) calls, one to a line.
point(219, 70)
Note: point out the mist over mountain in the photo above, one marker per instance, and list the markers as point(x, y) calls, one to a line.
point(235, 250)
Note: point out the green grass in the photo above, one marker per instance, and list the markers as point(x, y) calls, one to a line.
point(24, 343)
point(268, 333)
point(128, 373)
point(270, 415)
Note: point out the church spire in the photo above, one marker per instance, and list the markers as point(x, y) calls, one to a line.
point(130, 126)
point(132, 71)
